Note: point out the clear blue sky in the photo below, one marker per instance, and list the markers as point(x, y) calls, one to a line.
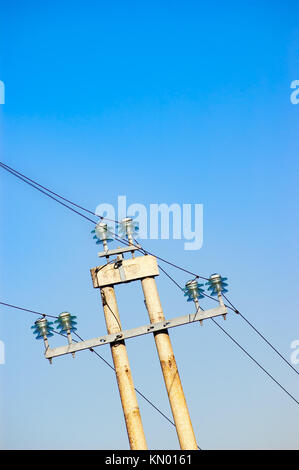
point(185, 102)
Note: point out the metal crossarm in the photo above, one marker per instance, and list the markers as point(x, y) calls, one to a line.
point(132, 333)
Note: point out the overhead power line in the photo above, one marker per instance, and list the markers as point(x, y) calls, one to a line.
point(93, 351)
point(234, 309)
point(238, 344)
point(56, 197)
point(261, 335)
point(38, 186)
point(4, 165)
point(27, 310)
point(13, 172)
point(256, 362)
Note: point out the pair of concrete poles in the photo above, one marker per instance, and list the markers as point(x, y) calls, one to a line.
point(168, 364)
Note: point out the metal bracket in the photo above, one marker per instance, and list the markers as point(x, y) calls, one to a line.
point(132, 333)
point(129, 270)
point(119, 265)
point(118, 251)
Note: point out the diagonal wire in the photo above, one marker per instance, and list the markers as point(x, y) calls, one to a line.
point(38, 186)
point(261, 335)
point(27, 310)
point(255, 361)
point(49, 195)
point(244, 350)
point(5, 166)
point(138, 391)
point(97, 354)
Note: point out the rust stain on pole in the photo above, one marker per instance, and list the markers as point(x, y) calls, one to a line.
point(123, 373)
point(169, 368)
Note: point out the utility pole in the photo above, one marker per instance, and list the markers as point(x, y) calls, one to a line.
point(122, 271)
point(123, 372)
point(168, 363)
point(169, 368)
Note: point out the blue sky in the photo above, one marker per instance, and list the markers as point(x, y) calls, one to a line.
point(164, 102)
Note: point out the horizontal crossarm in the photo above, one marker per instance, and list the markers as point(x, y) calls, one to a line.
point(133, 332)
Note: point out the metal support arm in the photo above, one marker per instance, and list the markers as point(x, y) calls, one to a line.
point(141, 330)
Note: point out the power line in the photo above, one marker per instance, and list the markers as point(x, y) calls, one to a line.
point(130, 247)
point(111, 367)
point(170, 277)
point(5, 166)
point(13, 172)
point(246, 352)
point(27, 310)
point(255, 361)
point(234, 309)
point(38, 186)
point(145, 251)
point(138, 391)
point(96, 353)
point(46, 194)
point(29, 181)
point(262, 336)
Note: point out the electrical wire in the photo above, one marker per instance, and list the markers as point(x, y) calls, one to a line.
point(244, 350)
point(30, 182)
point(46, 194)
point(5, 166)
point(27, 310)
point(60, 202)
point(255, 361)
point(261, 335)
point(38, 186)
point(97, 354)
point(138, 391)
point(234, 309)
point(170, 277)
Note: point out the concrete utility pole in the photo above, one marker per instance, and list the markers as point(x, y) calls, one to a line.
point(167, 360)
point(121, 271)
point(147, 268)
point(123, 373)
point(169, 368)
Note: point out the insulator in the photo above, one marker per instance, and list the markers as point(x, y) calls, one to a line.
point(193, 290)
point(102, 233)
point(217, 284)
point(66, 322)
point(128, 228)
point(42, 327)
